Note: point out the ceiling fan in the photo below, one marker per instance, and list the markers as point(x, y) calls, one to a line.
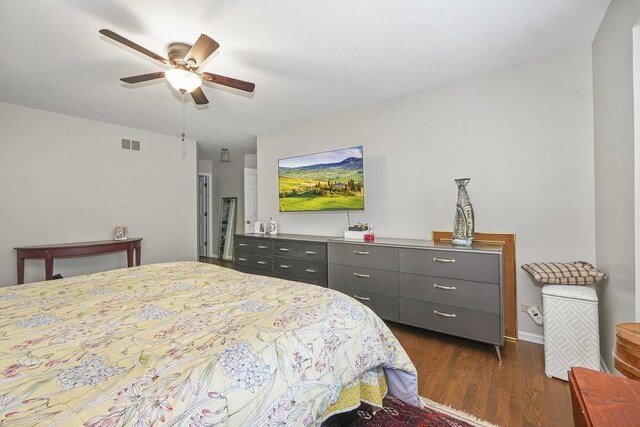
point(184, 61)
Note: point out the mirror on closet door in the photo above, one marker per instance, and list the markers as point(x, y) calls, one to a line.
point(227, 227)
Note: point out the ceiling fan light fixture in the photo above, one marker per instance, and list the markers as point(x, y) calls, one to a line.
point(184, 60)
point(183, 80)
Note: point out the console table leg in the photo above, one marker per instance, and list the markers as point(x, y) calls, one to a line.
point(48, 268)
point(130, 257)
point(20, 271)
point(138, 255)
point(498, 352)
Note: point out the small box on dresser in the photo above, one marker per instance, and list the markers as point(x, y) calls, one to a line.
point(436, 286)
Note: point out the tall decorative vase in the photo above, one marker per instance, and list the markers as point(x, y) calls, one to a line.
point(463, 225)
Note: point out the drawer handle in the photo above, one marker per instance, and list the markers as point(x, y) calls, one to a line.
point(262, 262)
point(446, 288)
point(444, 260)
point(263, 247)
point(311, 270)
point(284, 250)
point(285, 266)
point(361, 252)
point(439, 313)
point(242, 244)
point(242, 259)
point(309, 252)
point(364, 276)
point(361, 298)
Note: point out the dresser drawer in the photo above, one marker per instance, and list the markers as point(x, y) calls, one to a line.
point(462, 322)
point(385, 306)
point(297, 268)
point(460, 293)
point(379, 257)
point(363, 278)
point(259, 262)
point(477, 267)
point(316, 252)
point(253, 246)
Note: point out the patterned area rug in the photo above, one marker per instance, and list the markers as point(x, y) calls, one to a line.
point(396, 413)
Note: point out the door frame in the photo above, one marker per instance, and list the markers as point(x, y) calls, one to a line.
point(245, 227)
point(209, 210)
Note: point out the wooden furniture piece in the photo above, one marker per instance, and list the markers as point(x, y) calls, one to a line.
point(626, 356)
point(227, 227)
point(605, 400)
point(68, 250)
point(510, 307)
point(436, 286)
point(289, 256)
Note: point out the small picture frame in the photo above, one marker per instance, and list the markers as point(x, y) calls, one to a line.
point(121, 232)
point(259, 227)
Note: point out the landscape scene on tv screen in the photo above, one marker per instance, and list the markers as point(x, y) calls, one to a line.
point(328, 181)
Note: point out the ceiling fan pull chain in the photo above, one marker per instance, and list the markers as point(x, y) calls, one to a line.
point(183, 146)
point(182, 117)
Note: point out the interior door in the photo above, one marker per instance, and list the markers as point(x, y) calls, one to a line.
point(203, 215)
point(250, 198)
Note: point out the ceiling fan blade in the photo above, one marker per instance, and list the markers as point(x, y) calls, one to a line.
point(199, 97)
point(132, 45)
point(228, 81)
point(143, 77)
point(201, 50)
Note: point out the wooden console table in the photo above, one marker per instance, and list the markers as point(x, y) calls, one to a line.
point(600, 399)
point(67, 250)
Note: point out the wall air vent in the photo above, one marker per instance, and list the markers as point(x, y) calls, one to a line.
point(126, 144)
point(135, 145)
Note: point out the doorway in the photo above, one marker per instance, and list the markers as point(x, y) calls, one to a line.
point(204, 229)
point(250, 198)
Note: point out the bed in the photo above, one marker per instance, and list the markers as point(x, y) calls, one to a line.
point(190, 344)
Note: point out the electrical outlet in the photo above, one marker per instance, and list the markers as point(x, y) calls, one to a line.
point(525, 307)
point(536, 315)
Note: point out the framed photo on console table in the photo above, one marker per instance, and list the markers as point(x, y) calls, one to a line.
point(121, 233)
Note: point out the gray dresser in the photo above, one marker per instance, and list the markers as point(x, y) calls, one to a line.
point(289, 256)
point(436, 286)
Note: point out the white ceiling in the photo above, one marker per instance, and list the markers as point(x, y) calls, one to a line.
point(307, 58)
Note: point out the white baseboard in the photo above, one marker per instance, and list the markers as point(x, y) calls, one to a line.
point(529, 337)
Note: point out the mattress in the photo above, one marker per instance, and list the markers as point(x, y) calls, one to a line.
point(190, 344)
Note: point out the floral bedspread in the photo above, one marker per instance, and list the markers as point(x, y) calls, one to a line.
point(187, 344)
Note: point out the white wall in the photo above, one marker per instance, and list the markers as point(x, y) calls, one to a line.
point(64, 179)
point(251, 161)
point(614, 167)
point(205, 166)
point(636, 161)
point(524, 135)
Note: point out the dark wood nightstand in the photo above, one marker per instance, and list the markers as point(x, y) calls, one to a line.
point(604, 400)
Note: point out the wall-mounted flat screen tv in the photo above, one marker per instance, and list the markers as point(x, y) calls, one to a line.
point(327, 181)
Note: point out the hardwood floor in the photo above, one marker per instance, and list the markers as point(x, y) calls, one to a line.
point(466, 375)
